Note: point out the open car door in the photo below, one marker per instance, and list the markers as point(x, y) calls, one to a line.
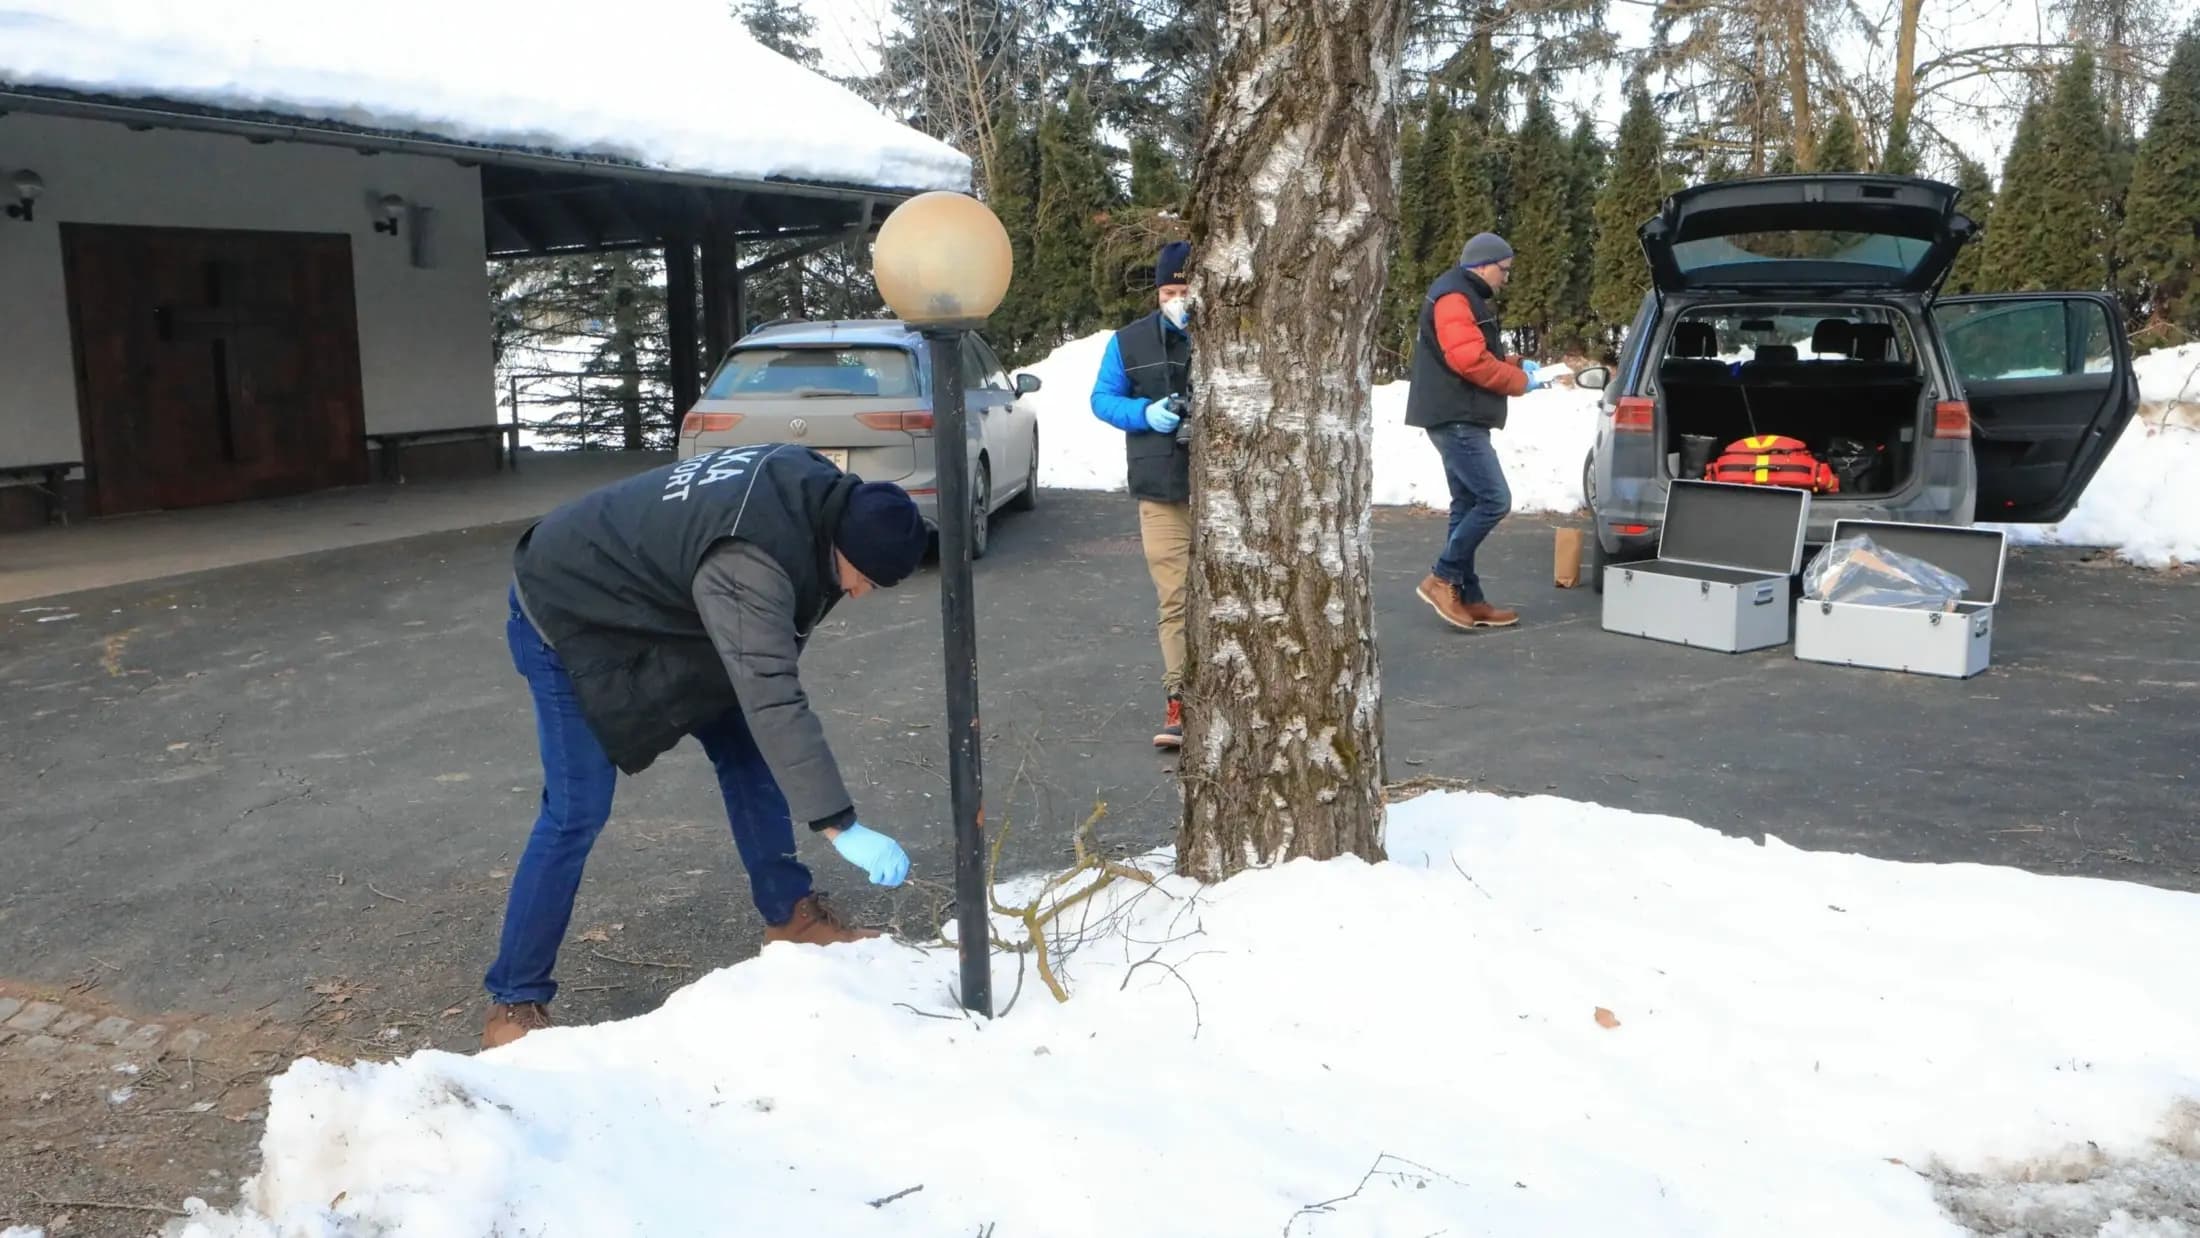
point(2048, 377)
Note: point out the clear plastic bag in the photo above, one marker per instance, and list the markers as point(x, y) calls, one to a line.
point(1861, 571)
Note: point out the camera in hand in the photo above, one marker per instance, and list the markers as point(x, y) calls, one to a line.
point(1181, 405)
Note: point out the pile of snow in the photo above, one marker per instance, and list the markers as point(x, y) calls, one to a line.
point(1541, 1017)
point(2144, 502)
point(694, 93)
point(1545, 440)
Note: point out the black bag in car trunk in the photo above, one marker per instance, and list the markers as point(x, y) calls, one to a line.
point(1861, 466)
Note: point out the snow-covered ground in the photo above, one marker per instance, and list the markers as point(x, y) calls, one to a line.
point(1541, 1017)
point(702, 96)
point(2143, 503)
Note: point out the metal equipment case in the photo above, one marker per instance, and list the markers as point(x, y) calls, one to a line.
point(1720, 581)
point(1957, 644)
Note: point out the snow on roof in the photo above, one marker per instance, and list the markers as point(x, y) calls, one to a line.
point(676, 85)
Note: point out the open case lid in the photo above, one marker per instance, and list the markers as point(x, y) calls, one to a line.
point(1721, 524)
point(1974, 554)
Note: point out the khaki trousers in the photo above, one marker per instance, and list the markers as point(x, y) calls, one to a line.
point(1166, 531)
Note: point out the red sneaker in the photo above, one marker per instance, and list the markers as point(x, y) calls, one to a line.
point(1171, 734)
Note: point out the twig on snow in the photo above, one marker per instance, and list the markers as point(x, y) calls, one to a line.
point(1171, 969)
point(1372, 1171)
point(1470, 880)
point(882, 1201)
point(929, 1014)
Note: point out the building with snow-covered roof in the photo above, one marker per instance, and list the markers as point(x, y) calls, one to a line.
point(245, 250)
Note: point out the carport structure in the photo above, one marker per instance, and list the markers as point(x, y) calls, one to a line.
point(217, 298)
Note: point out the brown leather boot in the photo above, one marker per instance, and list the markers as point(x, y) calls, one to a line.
point(1444, 597)
point(815, 923)
point(508, 1023)
point(1485, 615)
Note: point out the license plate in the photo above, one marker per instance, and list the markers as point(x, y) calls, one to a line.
point(839, 457)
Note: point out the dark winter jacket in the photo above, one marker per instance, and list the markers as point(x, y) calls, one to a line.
point(1151, 359)
point(1459, 367)
point(688, 590)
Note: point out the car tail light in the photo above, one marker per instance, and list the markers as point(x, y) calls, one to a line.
point(910, 423)
point(697, 423)
point(1951, 419)
point(1634, 414)
point(1630, 530)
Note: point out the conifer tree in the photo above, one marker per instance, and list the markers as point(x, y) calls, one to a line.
point(1840, 150)
point(1075, 195)
point(2012, 256)
point(1977, 201)
point(1631, 194)
point(1585, 155)
point(1535, 295)
point(1155, 181)
point(1473, 201)
point(1900, 158)
point(2071, 216)
point(2160, 240)
point(1019, 328)
point(1436, 247)
point(1402, 294)
point(783, 26)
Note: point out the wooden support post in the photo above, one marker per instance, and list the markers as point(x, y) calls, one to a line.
point(721, 291)
point(680, 324)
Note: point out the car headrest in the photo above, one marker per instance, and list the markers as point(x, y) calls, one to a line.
point(1695, 339)
point(1834, 335)
point(1777, 353)
point(1874, 341)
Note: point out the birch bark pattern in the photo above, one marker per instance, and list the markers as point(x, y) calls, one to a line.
point(1292, 212)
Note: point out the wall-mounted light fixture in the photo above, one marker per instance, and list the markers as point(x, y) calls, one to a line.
point(28, 186)
point(391, 208)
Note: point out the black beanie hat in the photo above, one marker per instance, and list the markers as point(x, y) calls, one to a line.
point(881, 533)
point(1175, 266)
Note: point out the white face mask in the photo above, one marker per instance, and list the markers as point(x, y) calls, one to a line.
point(1177, 310)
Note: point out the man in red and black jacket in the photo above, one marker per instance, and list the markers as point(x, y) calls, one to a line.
point(1461, 381)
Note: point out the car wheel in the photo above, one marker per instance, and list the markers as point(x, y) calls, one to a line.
point(1589, 480)
point(1028, 498)
point(981, 509)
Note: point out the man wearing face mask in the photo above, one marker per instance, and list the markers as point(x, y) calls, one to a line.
point(675, 603)
point(1462, 380)
point(1144, 390)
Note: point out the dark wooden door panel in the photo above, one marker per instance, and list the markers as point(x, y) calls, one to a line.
point(214, 366)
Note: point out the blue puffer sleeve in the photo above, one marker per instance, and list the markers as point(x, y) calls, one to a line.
point(1112, 400)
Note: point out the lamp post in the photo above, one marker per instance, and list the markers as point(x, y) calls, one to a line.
point(942, 262)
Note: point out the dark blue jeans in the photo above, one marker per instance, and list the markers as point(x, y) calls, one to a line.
point(1479, 500)
point(577, 781)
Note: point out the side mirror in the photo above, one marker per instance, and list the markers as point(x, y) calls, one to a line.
point(1594, 378)
point(1026, 384)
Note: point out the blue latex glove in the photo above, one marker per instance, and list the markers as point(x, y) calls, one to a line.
point(1535, 379)
point(874, 853)
point(1161, 419)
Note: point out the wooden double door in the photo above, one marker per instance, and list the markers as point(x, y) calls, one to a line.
point(213, 366)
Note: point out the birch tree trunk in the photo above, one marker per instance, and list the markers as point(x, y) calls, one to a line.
point(1292, 212)
point(1905, 65)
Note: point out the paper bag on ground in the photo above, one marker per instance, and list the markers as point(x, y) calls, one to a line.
point(1566, 559)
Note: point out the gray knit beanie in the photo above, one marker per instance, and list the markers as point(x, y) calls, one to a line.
point(1483, 249)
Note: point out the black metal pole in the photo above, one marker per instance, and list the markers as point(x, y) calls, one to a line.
point(959, 619)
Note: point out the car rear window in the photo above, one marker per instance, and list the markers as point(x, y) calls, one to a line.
point(1828, 333)
point(852, 372)
point(1754, 255)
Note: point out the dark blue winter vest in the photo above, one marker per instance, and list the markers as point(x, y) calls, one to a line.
point(609, 579)
point(1437, 395)
point(1158, 361)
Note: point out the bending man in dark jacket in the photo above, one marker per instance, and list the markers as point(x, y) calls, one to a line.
point(674, 603)
point(1461, 382)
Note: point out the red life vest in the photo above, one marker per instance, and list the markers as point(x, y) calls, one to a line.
point(1773, 460)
